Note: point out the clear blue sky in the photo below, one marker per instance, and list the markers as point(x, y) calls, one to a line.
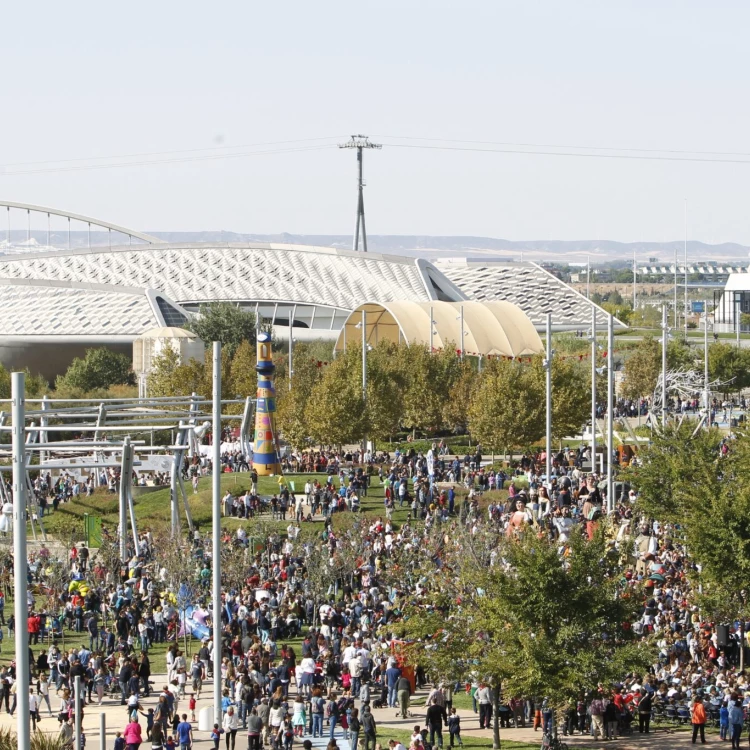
point(89, 79)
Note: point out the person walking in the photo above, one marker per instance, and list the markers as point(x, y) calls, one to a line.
point(698, 719)
point(736, 720)
point(403, 692)
point(644, 711)
point(369, 727)
point(435, 717)
point(230, 724)
point(484, 699)
point(132, 734)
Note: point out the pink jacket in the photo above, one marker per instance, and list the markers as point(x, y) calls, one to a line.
point(132, 733)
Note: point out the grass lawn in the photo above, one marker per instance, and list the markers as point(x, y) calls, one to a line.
point(152, 509)
point(402, 735)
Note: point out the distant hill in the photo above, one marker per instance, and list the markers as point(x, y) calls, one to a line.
point(426, 246)
point(442, 246)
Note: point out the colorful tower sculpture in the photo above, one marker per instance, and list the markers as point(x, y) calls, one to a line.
point(265, 456)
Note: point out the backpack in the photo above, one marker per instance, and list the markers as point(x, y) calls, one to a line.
point(329, 709)
point(594, 514)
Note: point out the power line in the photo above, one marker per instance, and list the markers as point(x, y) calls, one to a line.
point(568, 146)
point(167, 153)
point(538, 152)
point(184, 160)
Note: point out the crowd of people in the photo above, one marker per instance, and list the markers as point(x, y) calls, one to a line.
point(349, 662)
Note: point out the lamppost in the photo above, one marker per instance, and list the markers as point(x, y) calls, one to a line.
point(547, 363)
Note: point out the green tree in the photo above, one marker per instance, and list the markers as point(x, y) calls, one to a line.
point(291, 405)
point(385, 391)
point(507, 410)
point(225, 322)
point(335, 413)
point(99, 368)
point(456, 405)
point(676, 472)
point(540, 623)
point(730, 365)
point(571, 395)
point(428, 379)
point(642, 369)
point(242, 375)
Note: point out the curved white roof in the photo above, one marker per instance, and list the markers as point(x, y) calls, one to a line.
point(528, 285)
point(490, 328)
point(194, 273)
point(47, 308)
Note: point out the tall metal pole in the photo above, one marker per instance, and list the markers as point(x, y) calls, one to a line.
point(102, 731)
point(364, 356)
point(291, 353)
point(21, 610)
point(706, 394)
point(737, 314)
point(588, 277)
point(548, 368)
point(686, 273)
point(77, 711)
point(635, 281)
point(593, 388)
point(664, 338)
point(216, 529)
point(675, 290)
point(355, 243)
point(432, 347)
point(123, 497)
point(360, 142)
point(610, 409)
point(462, 331)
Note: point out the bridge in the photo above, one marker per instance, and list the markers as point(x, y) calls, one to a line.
point(39, 212)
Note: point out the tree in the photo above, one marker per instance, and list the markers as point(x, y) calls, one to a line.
point(642, 369)
point(676, 472)
point(100, 368)
point(385, 391)
point(684, 479)
point(571, 395)
point(526, 619)
point(730, 365)
point(456, 405)
point(225, 322)
point(507, 410)
point(428, 378)
point(291, 404)
point(336, 412)
point(242, 375)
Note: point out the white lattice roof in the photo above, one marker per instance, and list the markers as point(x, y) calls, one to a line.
point(54, 308)
point(190, 273)
point(536, 291)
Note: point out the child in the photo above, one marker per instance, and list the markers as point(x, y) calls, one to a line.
point(149, 722)
point(170, 743)
point(191, 706)
point(181, 682)
point(119, 741)
point(287, 732)
point(299, 718)
point(454, 728)
point(723, 722)
point(216, 736)
point(415, 735)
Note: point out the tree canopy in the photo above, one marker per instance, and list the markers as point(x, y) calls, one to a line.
point(224, 322)
point(99, 368)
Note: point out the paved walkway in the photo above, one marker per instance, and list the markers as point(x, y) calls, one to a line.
point(116, 718)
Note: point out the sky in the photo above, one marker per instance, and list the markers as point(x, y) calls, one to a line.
point(87, 80)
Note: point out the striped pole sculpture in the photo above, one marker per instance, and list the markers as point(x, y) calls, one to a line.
point(265, 456)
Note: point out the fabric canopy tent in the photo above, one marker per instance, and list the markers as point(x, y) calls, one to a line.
point(490, 328)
